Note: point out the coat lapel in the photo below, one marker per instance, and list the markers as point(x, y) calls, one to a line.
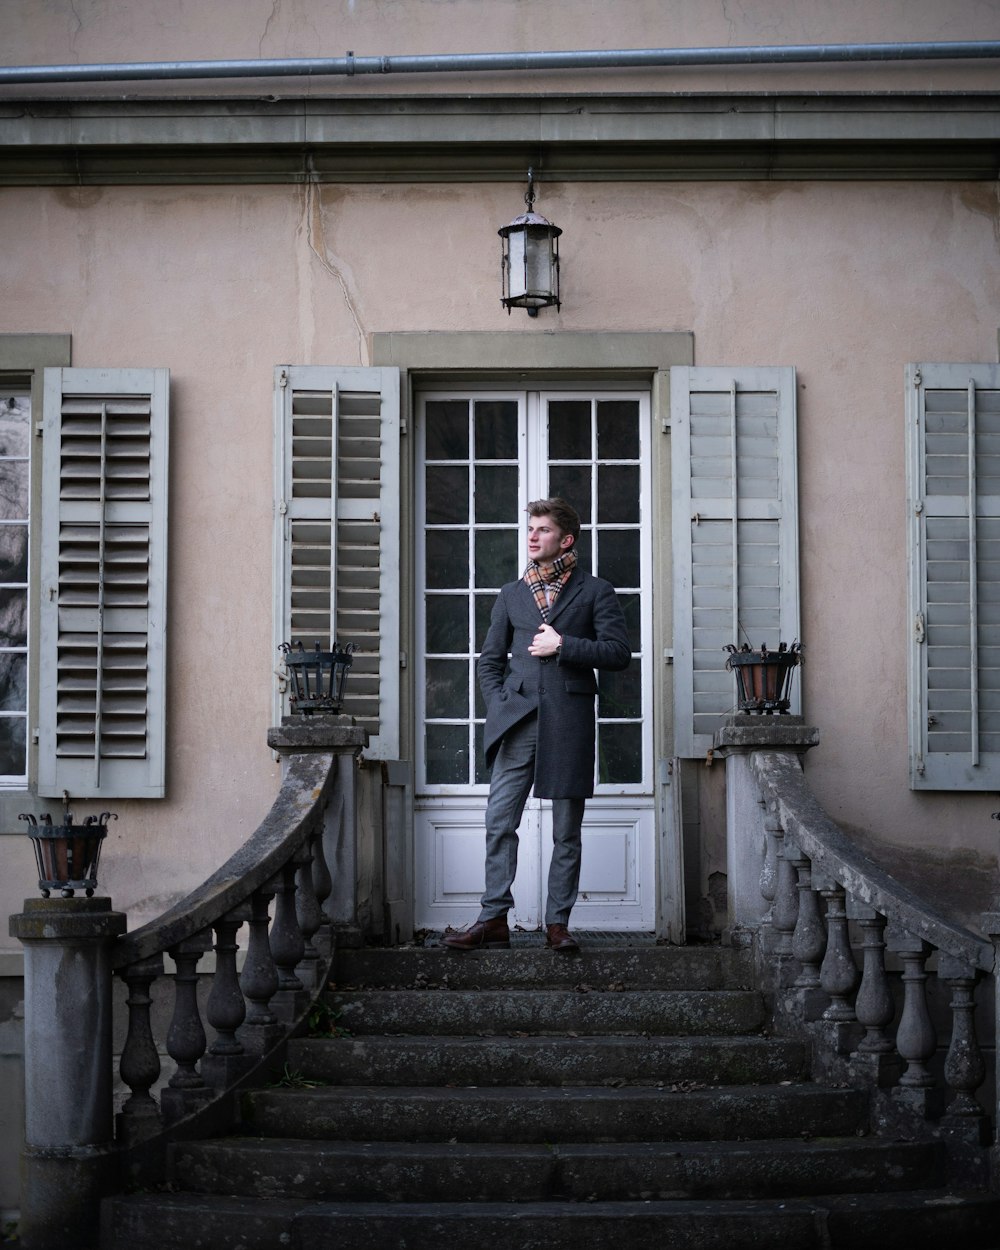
point(566, 596)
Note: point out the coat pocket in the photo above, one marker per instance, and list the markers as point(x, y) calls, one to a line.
point(581, 685)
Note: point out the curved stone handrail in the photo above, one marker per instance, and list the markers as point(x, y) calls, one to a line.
point(783, 782)
point(299, 804)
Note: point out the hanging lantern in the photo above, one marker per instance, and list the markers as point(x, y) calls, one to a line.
point(530, 259)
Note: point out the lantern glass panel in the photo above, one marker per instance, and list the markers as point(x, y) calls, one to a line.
point(539, 262)
point(517, 269)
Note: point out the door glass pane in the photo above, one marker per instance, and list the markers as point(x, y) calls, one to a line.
point(619, 754)
point(618, 494)
point(496, 493)
point(620, 693)
point(447, 559)
point(496, 429)
point(496, 557)
point(447, 689)
point(570, 430)
point(447, 429)
point(484, 610)
point(571, 482)
point(447, 494)
point(618, 429)
point(447, 623)
point(447, 755)
point(618, 557)
point(631, 606)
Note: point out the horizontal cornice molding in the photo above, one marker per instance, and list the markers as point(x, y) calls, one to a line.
point(489, 138)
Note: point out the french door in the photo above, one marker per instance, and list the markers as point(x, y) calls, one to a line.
point(482, 457)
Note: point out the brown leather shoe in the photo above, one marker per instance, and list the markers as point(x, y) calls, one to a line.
point(560, 939)
point(483, 935)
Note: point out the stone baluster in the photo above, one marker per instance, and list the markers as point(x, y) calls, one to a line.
point(874, 1005)
point(991, 927)
point(309, 917)
point(916, 1039)
point(186, 1036)
point(785, 911)
point(287, 947)
point(839, 974)
point(225, 1011)
point(139, 1066)
point(259, 980)
point(773, 833)
point(809, 938)
point(964, 1067)
point(322, 888)
point(875, 1058)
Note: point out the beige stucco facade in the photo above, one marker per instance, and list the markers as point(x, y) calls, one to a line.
point(847, 280)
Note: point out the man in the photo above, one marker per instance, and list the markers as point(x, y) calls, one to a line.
point(558, 623)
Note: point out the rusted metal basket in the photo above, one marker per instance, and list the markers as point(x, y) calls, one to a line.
point(318, 677)
point(67, 855)
point(763, 677)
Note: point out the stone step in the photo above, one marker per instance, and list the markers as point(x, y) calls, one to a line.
point(585, 1172)
point(636, 967)
point(488, 1012)
point(573, 1114)
point(867, 1221)
point(609, 1061)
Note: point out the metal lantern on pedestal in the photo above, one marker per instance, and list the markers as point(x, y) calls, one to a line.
point(318, 677)
point(67, 855)
point(530, 259)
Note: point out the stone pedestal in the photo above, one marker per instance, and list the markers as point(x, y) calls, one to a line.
point(67, 1163)
point(740, 736)
point(340, 736)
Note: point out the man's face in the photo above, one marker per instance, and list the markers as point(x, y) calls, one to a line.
point(546, 540)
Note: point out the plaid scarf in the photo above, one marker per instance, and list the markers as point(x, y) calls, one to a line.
point(554, 576)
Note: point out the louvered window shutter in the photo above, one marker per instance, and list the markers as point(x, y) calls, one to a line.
point(102, 607)
point(337, 530)
point(953, 455)
point(735, 533)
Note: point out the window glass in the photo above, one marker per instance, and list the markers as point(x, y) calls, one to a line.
point(15, 479)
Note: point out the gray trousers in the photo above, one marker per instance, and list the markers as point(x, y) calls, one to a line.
point(513, 774)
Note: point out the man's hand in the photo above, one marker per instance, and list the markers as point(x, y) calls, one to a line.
point(545, 643)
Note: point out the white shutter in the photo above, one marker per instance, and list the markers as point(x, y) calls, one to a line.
point(953, 461)
point(337, 530)
point(735, 533)
point(102, 607)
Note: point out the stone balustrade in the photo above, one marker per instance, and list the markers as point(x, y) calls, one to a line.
point(213, 1045)
point(887, 989)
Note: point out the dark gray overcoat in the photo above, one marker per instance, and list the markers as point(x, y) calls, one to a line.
point(589, 618)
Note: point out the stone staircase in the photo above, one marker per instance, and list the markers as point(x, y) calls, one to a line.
point(627, 1097)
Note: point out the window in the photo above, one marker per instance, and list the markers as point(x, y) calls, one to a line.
point(953, 465)
point(15, 517)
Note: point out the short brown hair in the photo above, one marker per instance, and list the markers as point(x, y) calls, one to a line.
point(562, 513)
